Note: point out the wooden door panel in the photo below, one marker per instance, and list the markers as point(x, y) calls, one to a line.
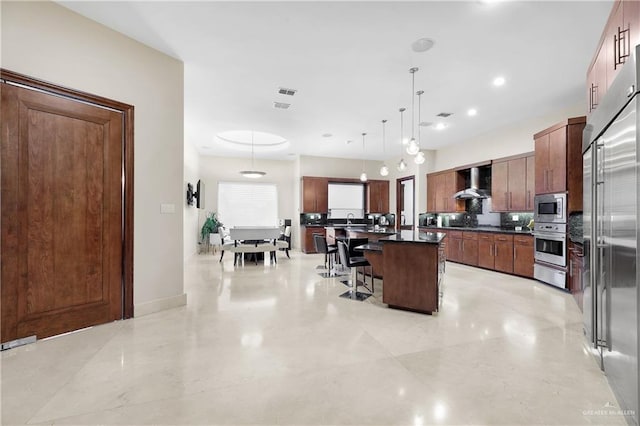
point(557, 178)
point(68, 159)
point(499, 186)
point(542, 163)
point(517, 184)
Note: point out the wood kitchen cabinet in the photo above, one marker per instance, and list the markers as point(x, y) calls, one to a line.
point(485, 250)
point(307, 232)
point(441, 187)
point(454, 246)
point(530, 185)
point(576, 268)
point(378, 196)
point(619, 36)
point(470, 248)
point(315, 195)
point(503, 253)
point(551, 156)
point(509, 184)
point(523, 255)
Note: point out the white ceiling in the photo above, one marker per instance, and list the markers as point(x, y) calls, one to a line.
point(350, 63)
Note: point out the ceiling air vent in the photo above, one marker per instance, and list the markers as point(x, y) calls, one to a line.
point(445, 114)
point(281, 105)
point(425, 123)
point(285, 91)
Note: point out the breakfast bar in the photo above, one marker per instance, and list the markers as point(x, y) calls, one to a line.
point(412, 266)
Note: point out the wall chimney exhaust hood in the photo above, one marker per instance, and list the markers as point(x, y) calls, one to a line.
point(474, 191)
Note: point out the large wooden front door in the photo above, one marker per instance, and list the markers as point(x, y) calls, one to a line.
point(62, 214)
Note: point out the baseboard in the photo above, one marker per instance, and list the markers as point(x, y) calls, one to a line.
point(158, 305)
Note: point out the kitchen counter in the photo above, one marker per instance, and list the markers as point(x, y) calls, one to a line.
point(496, 229)
point(416, 237)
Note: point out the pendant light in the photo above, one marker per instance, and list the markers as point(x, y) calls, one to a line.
point(384, 170)
point(402, 165)
point(253, 173)
point(419, 158)
point(363, 175)
point(412, 147)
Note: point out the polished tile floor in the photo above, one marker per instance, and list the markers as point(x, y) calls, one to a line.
point(274, 344)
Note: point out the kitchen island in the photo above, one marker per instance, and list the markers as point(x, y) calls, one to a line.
point(336, 232)
point(413, 266)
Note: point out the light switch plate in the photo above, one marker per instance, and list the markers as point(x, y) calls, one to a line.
point(515, 217)
point(167, 208)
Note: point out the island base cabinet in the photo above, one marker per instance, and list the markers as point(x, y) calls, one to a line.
point(411, 276)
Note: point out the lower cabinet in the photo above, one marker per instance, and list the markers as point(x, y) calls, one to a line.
point(576, 268)
point(308, 245)
point(503, 253)
point(509, 253)
point(523, 255)
point(454, 246)
point(470, 248)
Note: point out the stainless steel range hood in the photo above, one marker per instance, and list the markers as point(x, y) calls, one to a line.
point(474, 191)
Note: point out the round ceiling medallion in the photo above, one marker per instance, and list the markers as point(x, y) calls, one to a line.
point(242, 140)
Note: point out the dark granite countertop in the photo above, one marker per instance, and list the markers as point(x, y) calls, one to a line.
point(374, 246)
point(363, 228)
point(496, 229)
point(415, 237)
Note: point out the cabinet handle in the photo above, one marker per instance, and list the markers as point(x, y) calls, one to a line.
point(550, 180)
point(506, 199)
point(527, 202)
point(510, 200)
point(620, 47)
point(570, 268)
point(594, 96)
point(496, 250)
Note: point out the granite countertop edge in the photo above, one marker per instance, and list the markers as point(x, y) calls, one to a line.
point(477, 229)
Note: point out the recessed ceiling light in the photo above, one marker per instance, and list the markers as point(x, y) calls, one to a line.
point(498, 81)
point(422, 44)
point(472, 112)
point(440, 126)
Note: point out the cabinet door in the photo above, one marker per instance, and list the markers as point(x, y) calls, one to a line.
point(431, 193)
point(542, 163)
point(470, 248)
point(631, 15)
point(557, 173)
point(383, 197)
point(441, 201)
point(530, 186)
point(523, 255)
point(500, 186)
point(322, 195)
point(454, 182)
point(517, 200)
point(455, 246)
point(615, 42)
point(308, 195)
point(503, 251)
point(485, 251)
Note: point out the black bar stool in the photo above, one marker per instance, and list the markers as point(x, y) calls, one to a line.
point(321, 246)
point(355, 263)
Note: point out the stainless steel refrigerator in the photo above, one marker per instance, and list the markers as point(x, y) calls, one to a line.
point(610, 217)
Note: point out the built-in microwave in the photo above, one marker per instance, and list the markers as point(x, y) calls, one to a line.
point(550, 208)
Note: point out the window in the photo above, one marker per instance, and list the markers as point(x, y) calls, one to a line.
point(346, 199)
point(247, 204)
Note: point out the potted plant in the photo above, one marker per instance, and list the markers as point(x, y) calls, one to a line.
point(210, 226)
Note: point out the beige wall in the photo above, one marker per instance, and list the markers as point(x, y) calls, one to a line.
point(225, 169)
point(191, 213)
point(503, 142)
point(49, 42)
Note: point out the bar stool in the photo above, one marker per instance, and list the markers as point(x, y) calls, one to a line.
point(355, 263)
point(321, 246)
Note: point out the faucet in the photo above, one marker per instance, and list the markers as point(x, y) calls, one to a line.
point(349, 217)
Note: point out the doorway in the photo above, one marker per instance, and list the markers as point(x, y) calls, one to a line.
point(405, 202)
point(67, 209)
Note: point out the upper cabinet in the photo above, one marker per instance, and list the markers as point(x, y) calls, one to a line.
point(551, 158)
point(378, 196)
point(511, 184)
point(620, 34)
point(558, 160)
point(315, 195)
point(441, 187)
